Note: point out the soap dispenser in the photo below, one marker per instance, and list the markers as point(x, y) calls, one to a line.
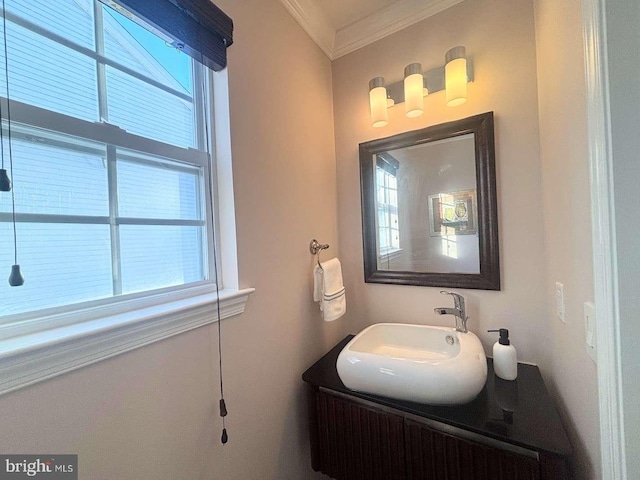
point(505, 360)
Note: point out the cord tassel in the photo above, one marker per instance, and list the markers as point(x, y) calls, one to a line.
point(5, 183)
point(225, 437)
point(223, 408)
point(16, 278)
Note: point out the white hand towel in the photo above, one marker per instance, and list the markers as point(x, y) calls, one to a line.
point(329, 289)
point(335, 306)
point(318, 279)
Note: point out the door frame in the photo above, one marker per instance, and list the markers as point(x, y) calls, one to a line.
point(603, 222)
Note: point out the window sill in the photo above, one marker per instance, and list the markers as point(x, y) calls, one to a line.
point(27, 359)
point(390, 255)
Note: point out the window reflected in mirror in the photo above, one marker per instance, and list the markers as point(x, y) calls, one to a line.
point(387, 206)
point(426, 201)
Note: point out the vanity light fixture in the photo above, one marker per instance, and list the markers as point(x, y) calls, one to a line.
point(452, 77)
point(413, 90)
point(378, 102)
point(455, 74)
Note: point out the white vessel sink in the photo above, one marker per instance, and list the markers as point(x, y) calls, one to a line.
point(419, 363)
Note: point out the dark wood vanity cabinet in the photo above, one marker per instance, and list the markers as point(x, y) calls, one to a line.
point(357, 443)
point(358, 436)
point(432, 454)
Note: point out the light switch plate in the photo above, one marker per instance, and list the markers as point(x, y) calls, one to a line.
point(560, 311)
point(590, 330)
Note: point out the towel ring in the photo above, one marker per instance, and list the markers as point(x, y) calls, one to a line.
point(315, 248)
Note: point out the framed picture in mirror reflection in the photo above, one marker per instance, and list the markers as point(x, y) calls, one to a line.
point(453, 213)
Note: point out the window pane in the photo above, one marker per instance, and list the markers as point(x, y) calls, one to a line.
point(62, 264)
point(133, 46)
point(160, 256)
point(393, 197)
point(71, 19)
point(46, 74)
point(52, 179)
point(158, 191)
point(383, 216)
point(384, 238)
point(146, 110)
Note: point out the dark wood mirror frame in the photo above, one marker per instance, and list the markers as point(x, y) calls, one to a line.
point(489, 277)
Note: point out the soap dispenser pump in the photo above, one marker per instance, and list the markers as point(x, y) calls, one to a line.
point(505, 360)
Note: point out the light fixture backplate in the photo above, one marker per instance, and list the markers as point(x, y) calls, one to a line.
point(433, 82)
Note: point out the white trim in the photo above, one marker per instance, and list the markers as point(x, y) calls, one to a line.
point(223, 176)
point(384, 22)
point(29, 116)
point(612, 443)
point(27, 323)
point(338, 42)
point(32, 358)
point(390, 255)
point(314, 22)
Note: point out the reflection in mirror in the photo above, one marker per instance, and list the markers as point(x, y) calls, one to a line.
point(427, 210)
point(429, 206)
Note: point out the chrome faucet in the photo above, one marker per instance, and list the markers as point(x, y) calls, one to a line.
point(458, 311)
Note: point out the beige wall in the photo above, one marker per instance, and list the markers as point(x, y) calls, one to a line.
point(499, 36)
point(152, 413)
point(566, 202)
point(538, 246)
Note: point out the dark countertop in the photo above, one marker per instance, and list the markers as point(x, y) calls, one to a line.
point(534, 424)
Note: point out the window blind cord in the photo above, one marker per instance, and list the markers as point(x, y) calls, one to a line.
point(2, 132)
point(5, 184)
point(223, 407)
point(4, 29)
point(6, 70)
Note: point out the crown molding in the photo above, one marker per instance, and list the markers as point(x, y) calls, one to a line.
point(384, 22)
point(336, 43)
point(314, 22)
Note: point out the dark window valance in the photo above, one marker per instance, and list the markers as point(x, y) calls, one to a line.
point(388, 163)
point(197, 27)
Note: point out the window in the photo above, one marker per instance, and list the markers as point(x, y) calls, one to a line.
point(387, 202)
point(113, 189)
point(105, 211)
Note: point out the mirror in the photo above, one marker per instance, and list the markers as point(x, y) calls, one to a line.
point(429, 206)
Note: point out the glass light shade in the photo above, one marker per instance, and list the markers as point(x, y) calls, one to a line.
point(455, 72)
point(413, 90)
point(378, 104)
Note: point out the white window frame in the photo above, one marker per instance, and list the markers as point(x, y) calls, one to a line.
point(389, 253)
point(35, 347)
